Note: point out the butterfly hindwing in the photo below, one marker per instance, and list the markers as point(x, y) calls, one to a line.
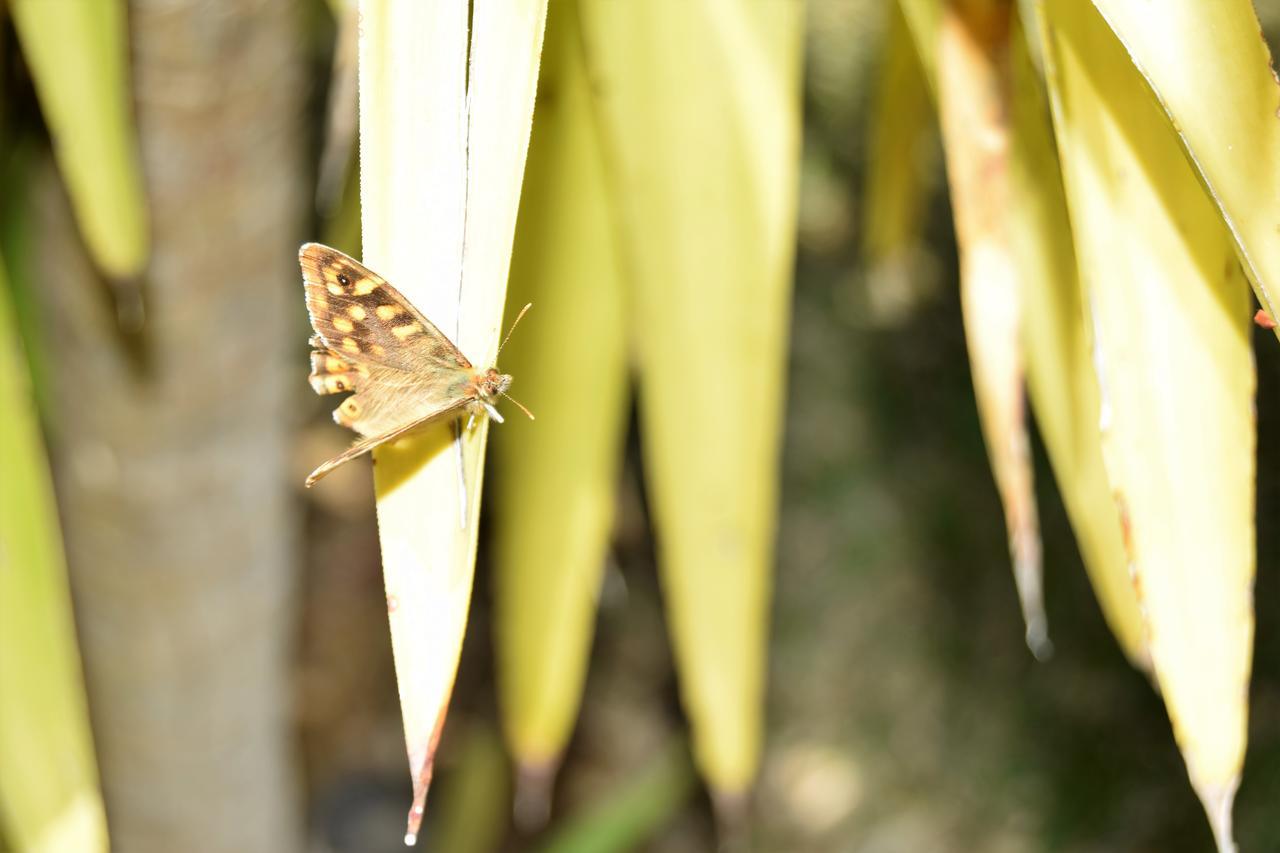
point(386, 398)
point(366, 444)
point(333, 374)
point(359, 316)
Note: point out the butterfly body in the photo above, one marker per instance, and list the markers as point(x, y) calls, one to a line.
point(372, 341)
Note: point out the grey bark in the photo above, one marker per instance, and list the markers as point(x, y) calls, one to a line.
point(179, 515)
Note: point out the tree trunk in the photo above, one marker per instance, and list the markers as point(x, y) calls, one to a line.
point(180, 521)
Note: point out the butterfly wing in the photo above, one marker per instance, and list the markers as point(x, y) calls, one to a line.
point(371, 340)
point(366, 444)
point(360, 317)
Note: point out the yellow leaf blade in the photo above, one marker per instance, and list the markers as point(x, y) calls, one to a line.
point(1169, 308)
point(896, 181)
point(440, 183)
point(1060, 380)
point(1211, 71)
point(556, 479)
point(700, 108)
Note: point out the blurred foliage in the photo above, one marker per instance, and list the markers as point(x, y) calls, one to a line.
point(628, 256)
point(77, 54)
point(555, 479)
point(49, 797)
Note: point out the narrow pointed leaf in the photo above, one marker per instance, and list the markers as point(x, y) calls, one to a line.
point(1170, 317)
point(429, 170)
point(973, 92)
point(556, 478)
point(78, 56)
point(923, 18)
point(1055, 342)
point(903, 123)
point(700, 105)
point(1212, 73)
point(49, 795)
point(1062, 387)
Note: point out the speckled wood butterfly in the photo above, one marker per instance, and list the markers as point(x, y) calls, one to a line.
point(369, 339)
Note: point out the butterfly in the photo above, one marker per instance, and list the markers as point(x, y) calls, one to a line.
point(370, 340)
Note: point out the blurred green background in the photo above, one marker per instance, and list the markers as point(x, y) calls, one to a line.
point(904, 712)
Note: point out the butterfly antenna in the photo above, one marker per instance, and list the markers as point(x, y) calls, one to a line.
point(508, 337)
point(518, 403)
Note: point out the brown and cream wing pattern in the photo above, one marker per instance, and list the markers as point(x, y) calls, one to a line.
point(360, 317)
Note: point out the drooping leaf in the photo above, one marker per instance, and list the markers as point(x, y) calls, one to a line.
point(442, 149)
point(556, 478)
point(1212, 74)
point(1062, 387)
point(700, 109)
point(903, 122)
point(49, 795)
point(1169, 312)
point(78, 56)
point(973, 93)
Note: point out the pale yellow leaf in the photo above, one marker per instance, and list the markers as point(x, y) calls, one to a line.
point(1062, 387)
point(1211, 71)
point(1170, 317)
point(700, 109)
point(441, 165)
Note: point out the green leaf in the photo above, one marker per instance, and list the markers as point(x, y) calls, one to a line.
point(49, 795)
point(623, 819)
point(78, 51)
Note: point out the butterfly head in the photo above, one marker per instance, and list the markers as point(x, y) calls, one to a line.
point(492, 383)
point(487, 387)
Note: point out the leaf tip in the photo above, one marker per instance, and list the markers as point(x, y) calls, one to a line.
point(731, 809)
point(1038, 639)
point(419, 807)
point(534, 783)
point(1218, 801)
point(422, 781)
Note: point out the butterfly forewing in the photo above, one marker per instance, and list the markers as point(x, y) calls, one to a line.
point(362, 318)
point(370, 340)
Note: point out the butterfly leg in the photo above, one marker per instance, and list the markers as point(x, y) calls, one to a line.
point(462, 475)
